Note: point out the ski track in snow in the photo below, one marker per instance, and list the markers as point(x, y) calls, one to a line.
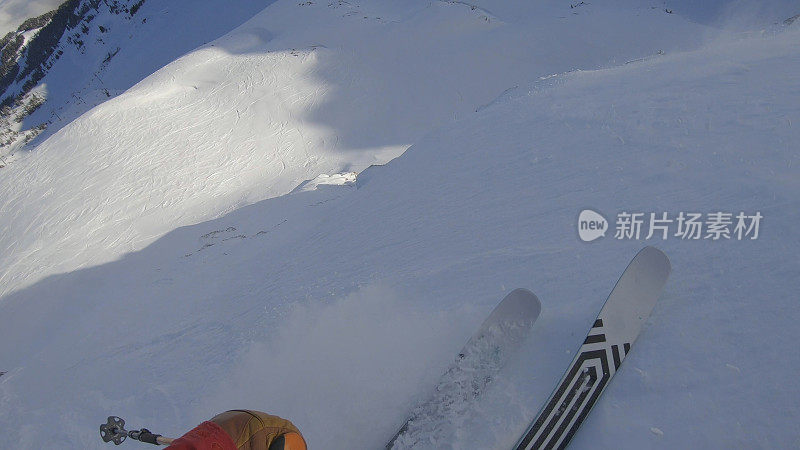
point(153, 269)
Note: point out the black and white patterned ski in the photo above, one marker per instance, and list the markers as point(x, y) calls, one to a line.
point(605, 347)
point(474, 368)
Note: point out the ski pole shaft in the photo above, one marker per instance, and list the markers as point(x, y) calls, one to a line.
point(144, 435)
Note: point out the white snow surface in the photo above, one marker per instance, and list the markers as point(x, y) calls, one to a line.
point(297, 91)
point(118, 50)
point(153, 264)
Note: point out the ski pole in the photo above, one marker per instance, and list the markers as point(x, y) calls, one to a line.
point(114, 431)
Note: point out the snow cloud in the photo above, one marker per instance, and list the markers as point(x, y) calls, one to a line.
point(334, 369)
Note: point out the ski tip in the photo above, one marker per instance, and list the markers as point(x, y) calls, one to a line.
point(656, 256)
point(524, 293)
point(524, 299)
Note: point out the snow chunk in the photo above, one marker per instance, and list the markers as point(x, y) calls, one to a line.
point(337, 179)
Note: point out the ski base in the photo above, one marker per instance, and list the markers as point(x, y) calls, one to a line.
point(475, 366)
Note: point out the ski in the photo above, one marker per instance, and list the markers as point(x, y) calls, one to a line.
point(602, 352)
point(475, 365)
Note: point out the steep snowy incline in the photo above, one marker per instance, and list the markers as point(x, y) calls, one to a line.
point(88, 51)
point(298, 91)
point(732, 14)
point(339, 307)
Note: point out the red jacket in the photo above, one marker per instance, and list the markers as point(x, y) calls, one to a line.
point(242, 430)
point(206, 436)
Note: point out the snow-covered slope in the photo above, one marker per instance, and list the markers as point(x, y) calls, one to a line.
point(341, 305)
point(734, 14)
point(92, 51)
point(298, 91)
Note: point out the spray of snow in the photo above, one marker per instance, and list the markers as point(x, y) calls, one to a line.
point(353, 359)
